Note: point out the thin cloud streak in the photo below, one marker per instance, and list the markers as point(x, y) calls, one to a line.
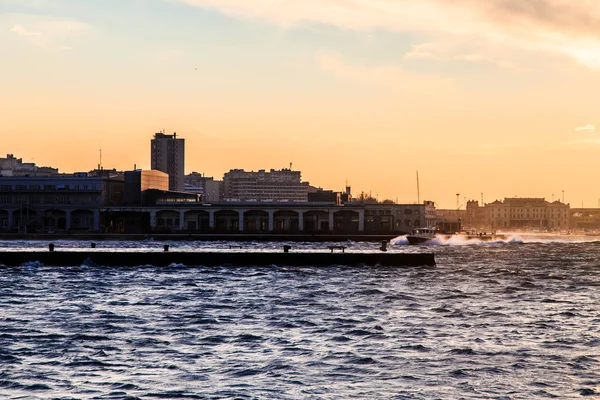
point(587, 128)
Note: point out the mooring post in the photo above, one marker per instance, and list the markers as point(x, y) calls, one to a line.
point(51, 247)
point(383, 245)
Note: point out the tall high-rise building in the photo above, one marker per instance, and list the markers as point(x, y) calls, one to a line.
point(167, 154)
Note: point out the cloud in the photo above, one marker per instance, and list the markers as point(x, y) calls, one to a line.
point(561, 27)
point(22, 31)
point(461, 52)
point(33, 4)
point(390, 77)
point(49, 33)
point(587, 128)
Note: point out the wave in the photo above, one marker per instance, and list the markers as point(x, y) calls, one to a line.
point(510, 238)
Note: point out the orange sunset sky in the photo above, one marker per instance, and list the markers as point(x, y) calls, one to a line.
point(495, 96)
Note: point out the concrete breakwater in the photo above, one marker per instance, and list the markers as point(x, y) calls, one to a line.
point(234, 258)
point(232, 237)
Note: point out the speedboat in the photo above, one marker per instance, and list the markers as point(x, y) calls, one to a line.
point(421, 235)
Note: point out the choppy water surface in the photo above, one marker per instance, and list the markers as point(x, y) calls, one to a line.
point(515, 320)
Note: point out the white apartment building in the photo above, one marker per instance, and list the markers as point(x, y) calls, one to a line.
point(274, 185)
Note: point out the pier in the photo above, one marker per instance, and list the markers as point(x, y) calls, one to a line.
point(214, 258)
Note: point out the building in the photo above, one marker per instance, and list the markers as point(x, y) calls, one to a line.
point(56, 203)
point(138, 182)
point(535, 214)
point(10, 162)
point(585, 219)
point(167, 154)
point(450, 221)
point(275, 185)
point(475, 216)
point(329, 196)
point(207, 186)
point(172, 212)
point(12, 166)
point(325, 196)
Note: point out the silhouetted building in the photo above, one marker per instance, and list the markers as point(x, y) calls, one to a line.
point(168, 155)
point(56, 203)
point(138, 182)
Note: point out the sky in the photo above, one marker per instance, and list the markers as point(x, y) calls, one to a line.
point(496, 98)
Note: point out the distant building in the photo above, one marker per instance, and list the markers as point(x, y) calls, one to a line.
point(10, 162)
point(56, 203)
point(329, 196)
point(585, 219)
point(12, 166)
point(138, 182)
point(207, 186)
point(450, 221)
point(325, 196)
point(189, 188)
point(167, 154)
point(519, 214)
point(261, 186)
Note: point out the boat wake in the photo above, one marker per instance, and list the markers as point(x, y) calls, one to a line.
point(511, 238)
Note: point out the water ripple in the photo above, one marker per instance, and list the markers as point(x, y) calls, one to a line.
point(518, 320)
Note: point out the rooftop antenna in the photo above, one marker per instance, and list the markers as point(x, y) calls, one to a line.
point(290, 166)
point(458, 201)
point(100, 164)
point(418, 190)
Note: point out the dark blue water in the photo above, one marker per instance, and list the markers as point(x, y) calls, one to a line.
point(498, 321)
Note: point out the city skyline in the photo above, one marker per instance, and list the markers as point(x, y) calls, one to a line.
point(491, 99)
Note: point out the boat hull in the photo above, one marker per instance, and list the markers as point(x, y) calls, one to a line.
point(418, 239)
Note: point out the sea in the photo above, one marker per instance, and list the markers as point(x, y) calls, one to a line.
point(514, 319)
